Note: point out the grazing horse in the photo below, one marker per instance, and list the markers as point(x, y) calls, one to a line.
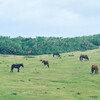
point(29, 52)
point(16, 66)
point(56, 53)
point(45, 63)
point(94, 67)
point(84, 56)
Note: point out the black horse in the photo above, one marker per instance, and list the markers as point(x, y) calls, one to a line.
point(83, 56)
point(16, 66)
point(56, 53)
point(45, 63)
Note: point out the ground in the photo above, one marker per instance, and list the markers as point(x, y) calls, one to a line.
point(67, 78)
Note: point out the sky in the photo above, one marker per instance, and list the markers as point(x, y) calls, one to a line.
point(49, 18)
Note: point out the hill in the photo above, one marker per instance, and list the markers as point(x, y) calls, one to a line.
point(47, 45)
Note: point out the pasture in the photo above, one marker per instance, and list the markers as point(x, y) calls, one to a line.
point(67, 78)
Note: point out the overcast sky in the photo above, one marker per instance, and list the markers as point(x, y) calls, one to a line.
point(59, 18)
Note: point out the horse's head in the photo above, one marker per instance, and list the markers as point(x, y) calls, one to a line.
point(22, 65)
point(87, 58)
point(43, 61)
point(59, 55)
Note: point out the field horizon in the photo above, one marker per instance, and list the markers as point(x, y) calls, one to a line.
point(67, 78)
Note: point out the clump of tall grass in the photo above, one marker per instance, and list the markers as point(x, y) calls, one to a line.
point(14, 93)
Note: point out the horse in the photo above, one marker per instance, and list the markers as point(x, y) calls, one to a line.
point(84, 56)
point(45, 63)
point(56, 53)
point(29, 52)
point(16, 66)
point(94, 67)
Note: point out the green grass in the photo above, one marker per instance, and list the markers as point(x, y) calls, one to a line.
point(66, 79)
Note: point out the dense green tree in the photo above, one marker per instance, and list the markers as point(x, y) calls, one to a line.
point(47, 45)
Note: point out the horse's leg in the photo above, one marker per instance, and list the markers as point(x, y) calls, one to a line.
point(96, 71)
point(92, 70)
point(84, 59)
point(11, 69)
point(80, 58)
point(59, 56)
point(48, 65)
point(53, 55)
point(18, 69)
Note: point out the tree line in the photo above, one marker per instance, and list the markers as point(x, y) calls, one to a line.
point(47, 45)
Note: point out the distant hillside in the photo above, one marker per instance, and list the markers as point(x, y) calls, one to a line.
point(47, 45)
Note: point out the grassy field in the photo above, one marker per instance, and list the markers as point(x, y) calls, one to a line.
point(66, 79)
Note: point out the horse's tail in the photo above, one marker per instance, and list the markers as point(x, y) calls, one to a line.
point(80, 58)
point(11, 68)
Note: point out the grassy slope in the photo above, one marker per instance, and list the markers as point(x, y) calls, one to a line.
point(67, 78)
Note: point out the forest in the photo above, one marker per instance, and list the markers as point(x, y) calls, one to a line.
point(47, 45)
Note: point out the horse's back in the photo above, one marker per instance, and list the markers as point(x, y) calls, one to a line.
point(45, 62)
point(56, 53)
point(94, 66)
point(16, 65)
point(84, 56)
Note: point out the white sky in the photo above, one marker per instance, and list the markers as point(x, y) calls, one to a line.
point(59, 18)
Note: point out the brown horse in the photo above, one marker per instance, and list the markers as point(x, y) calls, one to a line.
point(83, 56)
point(94, 67)
point(45, 63)
point(29, 52)
point(56, 53)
